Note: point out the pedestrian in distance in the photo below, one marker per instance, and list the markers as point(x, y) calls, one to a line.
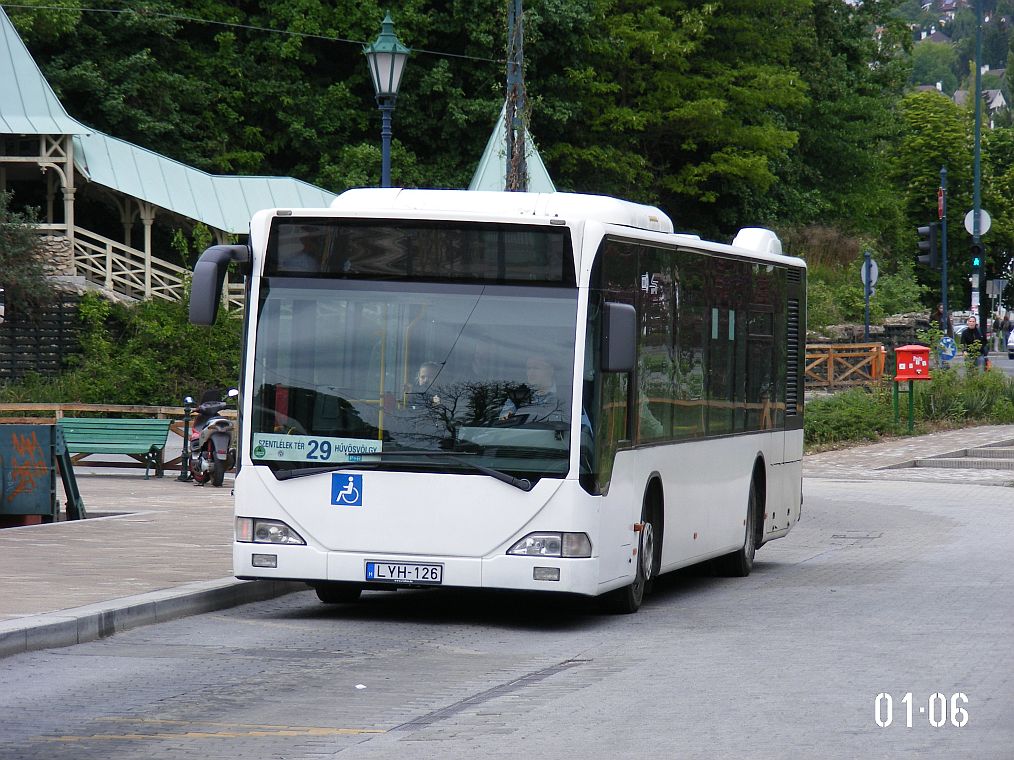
point(939, 318)
point(970, 337)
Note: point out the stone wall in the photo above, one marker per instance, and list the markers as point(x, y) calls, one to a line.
point(899, 330)
point(57, 255)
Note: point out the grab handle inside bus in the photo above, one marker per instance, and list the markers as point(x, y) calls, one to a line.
point(619, 337)
point(209, 276)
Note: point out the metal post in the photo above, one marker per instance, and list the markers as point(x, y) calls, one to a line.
point(911, 407)
point(896, 412)
point(184, 475)
point(943, 246)
point(386, 108)
point(866, 291)
point(977, 271)
point(386, 58)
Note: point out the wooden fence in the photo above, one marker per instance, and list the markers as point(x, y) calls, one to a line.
point(42, 414)
point(838, 365)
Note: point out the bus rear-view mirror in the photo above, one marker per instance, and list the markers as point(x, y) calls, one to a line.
point(209, 277)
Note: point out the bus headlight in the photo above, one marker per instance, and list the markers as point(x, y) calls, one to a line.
point(253, 530)
point(553, 545)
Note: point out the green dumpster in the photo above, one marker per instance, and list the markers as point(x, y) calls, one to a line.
point(30, 458)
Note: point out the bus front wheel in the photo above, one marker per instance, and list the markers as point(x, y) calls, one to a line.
point(626, 600)
point(338, 593)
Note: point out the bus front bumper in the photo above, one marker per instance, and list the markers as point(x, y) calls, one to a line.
point(304, 563)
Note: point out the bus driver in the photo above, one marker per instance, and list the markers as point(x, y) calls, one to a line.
point(543, 402)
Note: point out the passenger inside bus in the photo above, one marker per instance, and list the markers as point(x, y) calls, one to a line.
point(424, 378)
point(420, 392)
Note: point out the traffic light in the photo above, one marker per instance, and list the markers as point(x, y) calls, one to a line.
point(976, 255)
point(928, 252)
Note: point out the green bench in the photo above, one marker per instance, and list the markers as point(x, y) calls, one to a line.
point(142, 440)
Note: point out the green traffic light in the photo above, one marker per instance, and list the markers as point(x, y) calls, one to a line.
point(976, 262)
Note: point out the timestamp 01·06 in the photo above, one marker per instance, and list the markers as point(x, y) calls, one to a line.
point(939, 710)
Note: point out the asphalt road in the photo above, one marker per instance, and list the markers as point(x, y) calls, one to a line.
point(888, 587)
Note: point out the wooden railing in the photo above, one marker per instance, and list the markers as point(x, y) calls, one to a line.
point(841, 365)
point(127, 270)
point(42, 413)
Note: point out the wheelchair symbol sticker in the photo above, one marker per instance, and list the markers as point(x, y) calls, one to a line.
point(346, 490)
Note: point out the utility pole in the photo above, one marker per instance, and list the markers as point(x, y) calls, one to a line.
point(942, 213)
point(977, 256)
point(517, 171)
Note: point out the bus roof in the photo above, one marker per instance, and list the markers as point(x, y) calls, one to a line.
point(566, 206)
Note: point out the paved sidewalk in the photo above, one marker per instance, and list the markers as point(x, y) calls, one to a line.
point(151, 550)
point(158, 549)
point(882, 461)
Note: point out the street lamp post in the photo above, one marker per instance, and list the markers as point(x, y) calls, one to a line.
point(386, 57)
point(188, 407)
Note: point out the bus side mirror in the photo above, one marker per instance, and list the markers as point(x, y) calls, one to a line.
point(209, 277)
point(619, 337)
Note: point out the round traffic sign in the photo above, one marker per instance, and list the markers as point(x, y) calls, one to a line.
point(948, 348)
point(874, 273)
point(984, 222)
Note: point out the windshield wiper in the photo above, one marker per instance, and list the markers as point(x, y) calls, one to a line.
point(523, 484)
point(304, 471)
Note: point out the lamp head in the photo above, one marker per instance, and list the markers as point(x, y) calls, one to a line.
point(386, 57)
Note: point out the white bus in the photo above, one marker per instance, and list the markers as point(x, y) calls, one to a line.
point(546, 392)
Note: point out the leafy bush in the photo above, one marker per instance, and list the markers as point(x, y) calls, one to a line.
point(853, 415)
point(1003, 412)
point(982, 392)
point(951, 397)
point(146, 353)
point(942, 397)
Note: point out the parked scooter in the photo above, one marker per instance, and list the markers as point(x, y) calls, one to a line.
point(211, 446)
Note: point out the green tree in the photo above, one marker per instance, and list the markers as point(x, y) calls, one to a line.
point(936, 133)
point(998, 198)
point(675, 103)
point(22, 273)
point(50, 21)
point(934, 62)
point(835, 175)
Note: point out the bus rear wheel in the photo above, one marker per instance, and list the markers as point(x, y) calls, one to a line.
point(739, 563)
point(626, 600)
point(338, 593)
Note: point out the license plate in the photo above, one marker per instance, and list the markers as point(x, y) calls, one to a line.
point(404, 572)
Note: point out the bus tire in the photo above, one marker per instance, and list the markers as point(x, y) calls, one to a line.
point(738, 564)
point(627, 600)
point(338, 593)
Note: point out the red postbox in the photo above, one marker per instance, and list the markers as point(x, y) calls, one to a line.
point(912, 363)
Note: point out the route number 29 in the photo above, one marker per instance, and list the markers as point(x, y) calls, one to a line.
point(319, 450)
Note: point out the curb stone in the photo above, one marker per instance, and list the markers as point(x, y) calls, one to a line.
point(95, 621)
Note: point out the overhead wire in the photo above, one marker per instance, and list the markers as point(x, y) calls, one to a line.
point(236, 25)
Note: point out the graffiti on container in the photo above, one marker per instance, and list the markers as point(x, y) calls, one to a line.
point(28, 465)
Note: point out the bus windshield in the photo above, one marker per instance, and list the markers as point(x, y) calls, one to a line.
point(348, 368)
